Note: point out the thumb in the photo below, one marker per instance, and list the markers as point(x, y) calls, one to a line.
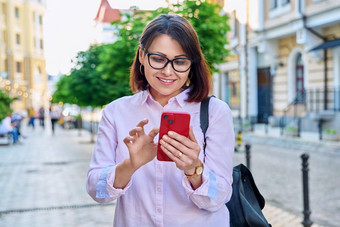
point(153, 133)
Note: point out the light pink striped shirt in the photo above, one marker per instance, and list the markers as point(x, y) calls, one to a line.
point(158, 193)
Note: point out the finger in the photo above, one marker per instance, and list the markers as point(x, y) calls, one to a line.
point(153, 133)
point(181, 139)
point(129, 140)
point(141, 124)
point(136, 131)
point(172, 156)
point(174, 143)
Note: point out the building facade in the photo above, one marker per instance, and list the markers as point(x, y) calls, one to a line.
point(22, 62)
point(285, 59)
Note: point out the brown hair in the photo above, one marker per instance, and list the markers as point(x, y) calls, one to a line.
point(182, 31)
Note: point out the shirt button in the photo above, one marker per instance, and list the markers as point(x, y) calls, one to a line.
point(159, 189)
point(159, 210)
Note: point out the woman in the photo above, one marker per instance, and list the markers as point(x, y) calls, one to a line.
point(169, 73)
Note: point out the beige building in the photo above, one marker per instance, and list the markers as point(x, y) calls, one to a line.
point(286, 58)
point(22, 62)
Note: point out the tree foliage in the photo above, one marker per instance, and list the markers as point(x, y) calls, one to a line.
point(210, 25)
point(5, 105)
point(85, 86)
point(63, 91)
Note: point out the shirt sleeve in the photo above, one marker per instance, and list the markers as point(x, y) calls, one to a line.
point(101, 174)
point(216, 188)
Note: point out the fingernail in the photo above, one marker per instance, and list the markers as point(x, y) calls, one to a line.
point(165, 137)
point(171, 133)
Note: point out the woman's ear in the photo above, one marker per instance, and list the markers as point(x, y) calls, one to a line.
point(140, 55)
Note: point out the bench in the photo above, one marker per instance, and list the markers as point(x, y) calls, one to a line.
point(6, 139)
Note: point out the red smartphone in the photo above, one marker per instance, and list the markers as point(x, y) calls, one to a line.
point(172, 121)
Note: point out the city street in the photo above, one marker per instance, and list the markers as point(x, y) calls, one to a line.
point(276, 166)
point(43, 182)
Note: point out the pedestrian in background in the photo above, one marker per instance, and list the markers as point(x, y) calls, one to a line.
point(42, 117)
point(31, 115)
point(55, 116)
point(169, 73)
point(8, 127)
point(16, 121)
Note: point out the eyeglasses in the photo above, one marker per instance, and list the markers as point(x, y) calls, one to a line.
point(158, 61)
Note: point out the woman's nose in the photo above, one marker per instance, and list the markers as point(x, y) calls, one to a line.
point(168, 70)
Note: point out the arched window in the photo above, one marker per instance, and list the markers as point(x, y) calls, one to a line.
point(299, 81)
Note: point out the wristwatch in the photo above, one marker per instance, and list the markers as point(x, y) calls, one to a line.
point(198, 171)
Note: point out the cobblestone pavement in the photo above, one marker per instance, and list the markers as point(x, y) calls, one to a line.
point(276, 166)
point(42, 183)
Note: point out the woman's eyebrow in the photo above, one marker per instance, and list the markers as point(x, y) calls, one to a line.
point(177, 56)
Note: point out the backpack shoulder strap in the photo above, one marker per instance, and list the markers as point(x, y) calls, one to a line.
point(204, 119)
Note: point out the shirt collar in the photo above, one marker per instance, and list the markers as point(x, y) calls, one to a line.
point(180, 98)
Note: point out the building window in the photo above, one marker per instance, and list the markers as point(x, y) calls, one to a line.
point(299, 82)
point(235, 25)
point(41, 44)
point(274, 4)
point(279, 7)
point(3, 8)
point(40, 20)
point(6, 65)
point(18, 67)
point(16, 11)
point(17, 39)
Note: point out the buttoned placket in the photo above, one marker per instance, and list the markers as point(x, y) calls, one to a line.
point(159, 182)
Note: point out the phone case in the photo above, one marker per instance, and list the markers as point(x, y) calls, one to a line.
point(172, 121)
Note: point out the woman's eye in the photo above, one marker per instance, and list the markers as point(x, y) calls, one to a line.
point(158, 59)
point(180, 62)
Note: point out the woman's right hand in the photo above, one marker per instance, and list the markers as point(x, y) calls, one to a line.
point(141, 147)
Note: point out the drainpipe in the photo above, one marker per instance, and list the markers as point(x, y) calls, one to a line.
point(325, 52)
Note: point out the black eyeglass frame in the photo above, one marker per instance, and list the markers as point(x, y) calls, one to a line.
point(168, 60)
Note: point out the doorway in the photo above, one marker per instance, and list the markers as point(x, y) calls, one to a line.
point(264, 95)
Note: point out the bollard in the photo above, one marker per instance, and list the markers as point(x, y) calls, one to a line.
point(239, 140)
point(299, 127)
point(320, 128)
point(281, 126)
point(248, 155)
point(306, 212)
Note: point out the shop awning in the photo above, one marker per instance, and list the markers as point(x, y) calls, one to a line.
point(326, 45)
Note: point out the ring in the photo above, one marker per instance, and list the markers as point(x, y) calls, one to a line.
point(180, 154)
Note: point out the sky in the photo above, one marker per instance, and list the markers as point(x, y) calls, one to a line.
point(69, 26)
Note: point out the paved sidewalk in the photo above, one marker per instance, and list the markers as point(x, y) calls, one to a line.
point(43, 183)
point(308, 141)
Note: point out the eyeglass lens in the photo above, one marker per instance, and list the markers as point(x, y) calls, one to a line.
point(159, 62)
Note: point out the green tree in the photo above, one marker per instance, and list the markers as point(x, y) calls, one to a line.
point(118, 57)
point(87, 84)
point(5, 105)
point(211, 27)
point(63, 91)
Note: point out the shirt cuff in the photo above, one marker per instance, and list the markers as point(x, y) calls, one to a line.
point(201, 190)
point(105, 189)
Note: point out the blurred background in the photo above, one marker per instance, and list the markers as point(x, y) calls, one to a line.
point(275, 62)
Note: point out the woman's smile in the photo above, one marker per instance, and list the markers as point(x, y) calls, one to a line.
point(166, 81)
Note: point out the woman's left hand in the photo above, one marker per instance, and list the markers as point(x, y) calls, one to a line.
point(184, 151)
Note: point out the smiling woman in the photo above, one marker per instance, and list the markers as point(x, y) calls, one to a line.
point(169, 73)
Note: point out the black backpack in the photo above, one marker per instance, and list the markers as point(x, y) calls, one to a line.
point(246, 202)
